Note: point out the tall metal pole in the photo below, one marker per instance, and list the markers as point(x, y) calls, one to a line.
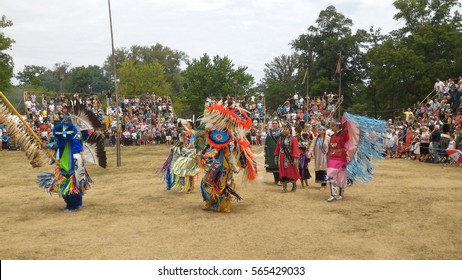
point(115, 91)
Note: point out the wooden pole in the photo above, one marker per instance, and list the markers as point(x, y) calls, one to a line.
point(339, 81)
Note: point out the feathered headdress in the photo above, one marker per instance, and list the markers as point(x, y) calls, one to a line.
point(224, 125)
point(227, 119)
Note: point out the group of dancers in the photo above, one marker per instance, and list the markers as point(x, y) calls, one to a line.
point(219, 147)
point(223, 152)
point(340, 158)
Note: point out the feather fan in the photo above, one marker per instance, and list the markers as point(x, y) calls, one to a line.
point(83, 118)
point(37, 156)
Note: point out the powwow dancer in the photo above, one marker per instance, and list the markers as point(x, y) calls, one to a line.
point(318, 149)
point(355, 142)
point(70, 178)
point(227, 151)
point(270, 146)
point(303, 162)
point(286, 158)
point(75, 143)
point(181, 166)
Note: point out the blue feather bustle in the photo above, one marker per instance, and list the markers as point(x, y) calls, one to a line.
point(370, 147)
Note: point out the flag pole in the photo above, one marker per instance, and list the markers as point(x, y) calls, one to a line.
point(115, 90)
point(339, 80)
point(307, 83)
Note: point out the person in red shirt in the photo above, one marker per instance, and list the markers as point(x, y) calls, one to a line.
point(337, 161)
point(286, 157)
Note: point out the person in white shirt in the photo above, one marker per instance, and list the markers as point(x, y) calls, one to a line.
point(439, 88)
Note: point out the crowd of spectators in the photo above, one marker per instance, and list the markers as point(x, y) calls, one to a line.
point(145, 120)
point(300, 111)
point(423, 132)
point(46, 111)
point(432, 126)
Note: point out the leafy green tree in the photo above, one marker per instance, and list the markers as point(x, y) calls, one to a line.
point(216, 77)
point(6, 61)
point(319, 51)
point(280, 80)
point(88, 79)
point(169, 59)
point(404, 67)
point(31, 75)
point(143, 78)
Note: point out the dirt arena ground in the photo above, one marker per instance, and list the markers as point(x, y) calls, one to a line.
point(410, 210)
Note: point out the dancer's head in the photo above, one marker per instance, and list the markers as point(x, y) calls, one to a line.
point(275, 124)
point(336, 125)
point(287, 129)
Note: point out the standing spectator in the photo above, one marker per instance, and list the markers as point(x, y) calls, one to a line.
point(390, 142)
point(109, 98)
point(455, 98)
point(168, 136)
point(127, 137)
point(253, 135)
point(416, 145)
point(28, 105)
point(408, 115)
point(424, 144)
point(157, 133)
point(436, 138)
point(408, 142)
point(458, 137)
point(439, 88)
point(5, 139)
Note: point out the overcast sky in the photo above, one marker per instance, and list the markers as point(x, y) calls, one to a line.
point(250, 32)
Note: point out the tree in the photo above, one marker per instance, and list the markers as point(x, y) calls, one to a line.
point(319, 51)
point(404, 67)
point(212, 77)
point(6, 61)
point(31, 75)
point(168, 58)
point(143, 78)
point(91, 79)
point(280, 80)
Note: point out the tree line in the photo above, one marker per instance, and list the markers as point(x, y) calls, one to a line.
point(377, 73)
